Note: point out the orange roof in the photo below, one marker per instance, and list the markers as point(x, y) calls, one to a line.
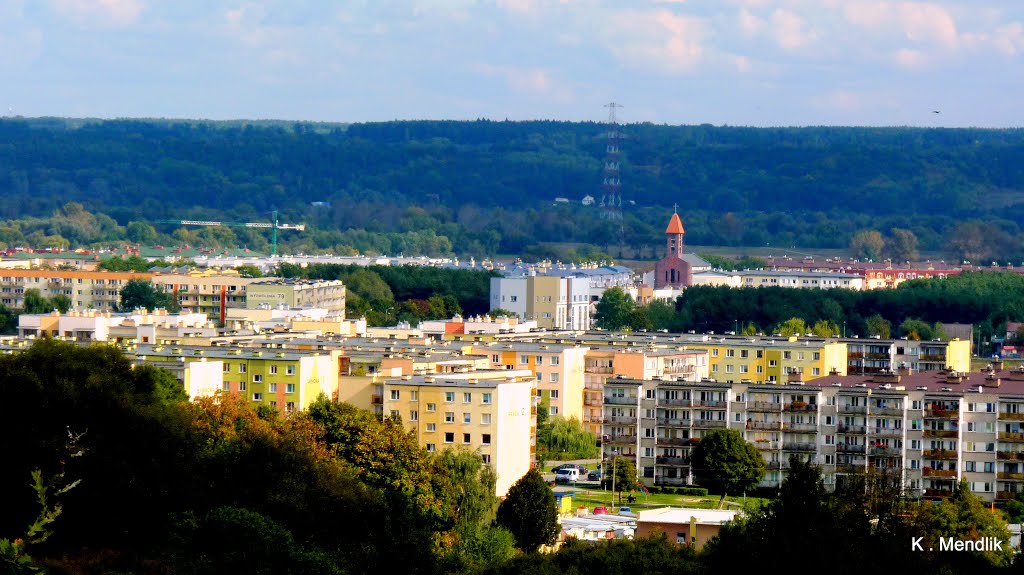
point(675, 225)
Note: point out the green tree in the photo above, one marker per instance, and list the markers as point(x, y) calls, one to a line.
point(566, 439)
point(529, 513)
point(34, 302)
point(750, 329)
point(963, 516)
point(867, 244)
point(878, 325)
point(615, 310)
point(248, 271)
point(724, 462)
point(624, 474)
point(792, 326)
point(140, 233)
point(902, 245)
point(915, 329)
point(143, 294)
point(825, 328)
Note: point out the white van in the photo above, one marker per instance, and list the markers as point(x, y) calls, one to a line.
point(567, 475)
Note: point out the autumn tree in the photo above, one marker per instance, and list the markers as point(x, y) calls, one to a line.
point(528, 511)
point(867, 245)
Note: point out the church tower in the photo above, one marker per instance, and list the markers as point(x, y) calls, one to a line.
point(673, 271)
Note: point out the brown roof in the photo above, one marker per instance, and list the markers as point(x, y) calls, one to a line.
point(675, 225)
point(1004, 382)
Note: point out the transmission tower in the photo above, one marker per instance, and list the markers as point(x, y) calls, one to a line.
point(611, 185)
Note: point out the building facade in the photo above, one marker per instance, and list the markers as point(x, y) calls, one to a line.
point(296, 293)
point(85, 289)
point(673, 270)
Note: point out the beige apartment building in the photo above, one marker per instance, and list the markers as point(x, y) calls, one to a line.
point(559, 370)
point(492, 414)
point(86, 289)
point(296, 293)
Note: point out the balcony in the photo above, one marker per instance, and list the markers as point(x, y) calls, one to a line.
point(1010, 455)
point(801, 407)
point(672, 460)
point(934, 413)
point(764, 406)
point(940, 454)
point(663, 402)
point(708, 423)
point(610, 400)
point(934, 493)
point(672, 441)
point(929, 472)
point(620, 419)
point(851, 448)
point(806, 427)
point(852, 429)
point(710, 404)
point(598, 369)
point(664, 422)
point(886, 432)
point(895, 411)
point(777, 465)
point(935, 357)
point(885, 452)
point(765, 425)
point(767, 445)
point(805, 447)
point(620, 439)
point(850, 468)
point(1005, 495)
point(1011, 436)
point(853, 409)
point(670, 481)
point(593, 401)
point(1011, 416)
point(377, 399)
point(945, 433)
point(1011, 475)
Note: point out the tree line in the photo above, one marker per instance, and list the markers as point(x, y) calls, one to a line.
point(485, 188)
point(987, 300)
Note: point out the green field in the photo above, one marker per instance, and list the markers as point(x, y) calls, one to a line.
point(593, 496)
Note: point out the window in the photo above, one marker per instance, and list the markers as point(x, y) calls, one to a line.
point(395, 414)
point(257, 397)
point(431, 427)
point(554, 394)
point(485, 439)
point(800, 356)
point(540, 359)
point(290, 388)
point(467, 397)
point(744, 353)
point(730, 353)
point(414, 415)
point(431, 448)
point(728, 368)
point(495, 358)
point(449, 437)
point(257, 378)
point(290, 406)
point(395, 394)
point(554, 360)
point(273, 370)
point(554, 377)
point(414, 396)
point(540, 377)
point(817, 355)
point(272, 388)
point(226, 386)
point(431, 407)
point(241, 368)
point(487, 458)
point(485, 419)
point(554, 410)
point(449, 397)
point(990, 467)
point(449, 417)
point(760, 368)
point(465, 438)
point(744, 368)
point(524, 359)
point(771, 363)
point(467, 418)
point(969, 465)
point(815, 371)
point(241, 386)
point(787, 355)
point(487, 398)
point(273, 404)
point(714, 352)
point(227, 367)
point(289, 370)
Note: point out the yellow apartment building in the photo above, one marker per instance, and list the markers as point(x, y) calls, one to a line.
point(85, 289)
point(492, 413)
point(286, 380)
point(558, 368)
point(773, 360)
point(208, 291)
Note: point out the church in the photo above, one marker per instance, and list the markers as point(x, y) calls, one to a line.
point(675, 270)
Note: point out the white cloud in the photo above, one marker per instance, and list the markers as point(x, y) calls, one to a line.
point(918, 22)
point(749, 23)
point(1009, 39)
point(660, 40)
point(906, 58)
point(790, 31)
point(116, 12)
point(537, 82)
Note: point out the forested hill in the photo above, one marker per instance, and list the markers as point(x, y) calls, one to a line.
point(813, 187)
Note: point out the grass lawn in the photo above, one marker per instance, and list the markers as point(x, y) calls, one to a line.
point(592, 497)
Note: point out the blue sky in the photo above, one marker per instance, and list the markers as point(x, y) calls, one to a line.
point(735, 62)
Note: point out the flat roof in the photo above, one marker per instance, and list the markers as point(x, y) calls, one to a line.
point(683, 515)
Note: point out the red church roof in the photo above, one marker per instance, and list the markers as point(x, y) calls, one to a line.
point(675, 225)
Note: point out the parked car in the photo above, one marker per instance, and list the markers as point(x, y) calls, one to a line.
point(582, 470)
point(594, 475)
point(600, 510)
point(626, 511)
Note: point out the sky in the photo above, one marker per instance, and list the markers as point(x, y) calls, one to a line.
point(722, 62)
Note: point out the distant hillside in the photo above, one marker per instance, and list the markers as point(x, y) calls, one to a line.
point(812, 187)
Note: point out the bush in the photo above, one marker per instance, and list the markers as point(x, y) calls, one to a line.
point(695, 491)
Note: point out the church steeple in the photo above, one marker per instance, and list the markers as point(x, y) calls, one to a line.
point(674, 236)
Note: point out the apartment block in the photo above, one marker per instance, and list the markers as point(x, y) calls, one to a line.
point(873, 355)
point(86, 290)
point(553, 302)
point(286, 380)
point(489, 413)
point(771, 359)
point(558, 369)
point(209, 292)
point(296, 293)
point(138, 326)
point(930, 429)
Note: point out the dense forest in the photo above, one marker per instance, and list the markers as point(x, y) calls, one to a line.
point(484, 187)
point(109, 469)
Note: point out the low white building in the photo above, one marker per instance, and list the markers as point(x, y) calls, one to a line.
point(800, 279)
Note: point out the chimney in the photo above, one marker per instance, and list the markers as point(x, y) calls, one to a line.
point(954, 377)
point(997, 365)
point(887, 377)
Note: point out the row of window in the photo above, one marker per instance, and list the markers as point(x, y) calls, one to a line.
point(271, 388)
point(449, 437)
point(449, 397)
point(745, 353)
point(243, 368)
